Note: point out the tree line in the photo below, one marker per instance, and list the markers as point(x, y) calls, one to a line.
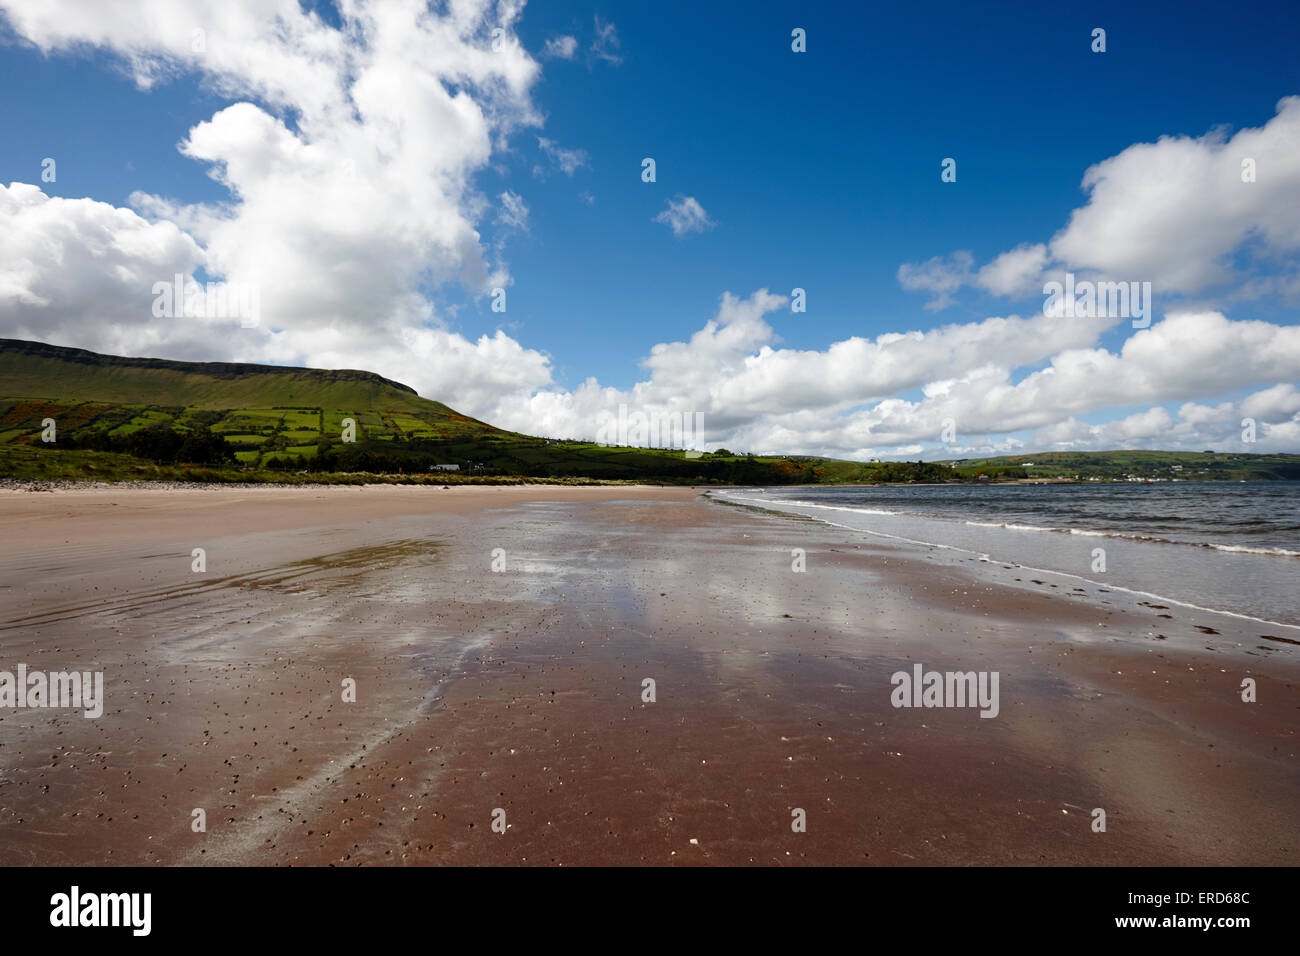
point(159, 443)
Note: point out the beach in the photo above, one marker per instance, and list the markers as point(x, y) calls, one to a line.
point(500, 640)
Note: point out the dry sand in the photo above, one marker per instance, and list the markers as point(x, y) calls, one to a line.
point(521, 690)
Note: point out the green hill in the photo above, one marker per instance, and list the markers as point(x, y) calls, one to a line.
point(37, 370)
point(120, 417)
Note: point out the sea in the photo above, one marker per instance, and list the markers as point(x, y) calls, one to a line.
point(1223, 546)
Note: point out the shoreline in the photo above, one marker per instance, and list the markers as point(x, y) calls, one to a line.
point(424, 480)
point(984, 558)
point(522, 691)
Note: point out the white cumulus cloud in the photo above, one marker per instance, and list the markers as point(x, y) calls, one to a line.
point(560, 48)
point(684, 215)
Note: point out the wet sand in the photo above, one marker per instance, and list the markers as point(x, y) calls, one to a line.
point(521, 690)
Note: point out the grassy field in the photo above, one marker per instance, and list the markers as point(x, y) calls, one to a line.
point(26, 463)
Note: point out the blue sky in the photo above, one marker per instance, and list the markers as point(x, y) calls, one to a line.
point(819, 170)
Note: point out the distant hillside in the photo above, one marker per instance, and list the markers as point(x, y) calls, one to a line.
point(1141, 465)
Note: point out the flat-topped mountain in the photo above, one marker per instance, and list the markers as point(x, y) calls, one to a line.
point(53, 372)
